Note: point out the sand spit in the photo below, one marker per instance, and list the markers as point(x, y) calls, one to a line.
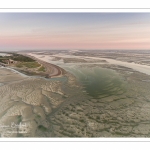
point(51, 69)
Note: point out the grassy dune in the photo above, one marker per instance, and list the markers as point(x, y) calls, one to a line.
point(28, 64)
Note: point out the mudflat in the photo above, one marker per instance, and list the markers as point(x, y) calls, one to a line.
point(95, 99)
point(26, 103)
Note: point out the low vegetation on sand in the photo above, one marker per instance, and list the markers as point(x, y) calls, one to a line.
point(23, 64)
point(21, 58)
point(28, 64)
point(16, 57)
point(41, 69)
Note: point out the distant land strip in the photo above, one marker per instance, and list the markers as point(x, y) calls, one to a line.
point(51, 69)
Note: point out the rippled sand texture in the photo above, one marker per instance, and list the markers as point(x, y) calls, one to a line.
point(27, 100)
point(123, 114)
point(61, 107)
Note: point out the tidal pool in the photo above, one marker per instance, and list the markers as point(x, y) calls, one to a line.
point(97, 81)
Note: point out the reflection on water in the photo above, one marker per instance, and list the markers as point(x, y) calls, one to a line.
point(98, 81)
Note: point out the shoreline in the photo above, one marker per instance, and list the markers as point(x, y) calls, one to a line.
point(142, 68)
point(51, 69)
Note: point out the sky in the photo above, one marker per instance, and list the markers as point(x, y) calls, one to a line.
point(75, 31)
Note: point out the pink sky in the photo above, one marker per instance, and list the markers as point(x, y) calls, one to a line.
point(74, 31)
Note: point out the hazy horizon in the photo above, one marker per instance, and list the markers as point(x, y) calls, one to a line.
point(69, 31)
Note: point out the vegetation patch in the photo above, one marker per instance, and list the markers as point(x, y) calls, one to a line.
point(16, 57)
point(28, 64)
point(21, 58)
point(41, 69)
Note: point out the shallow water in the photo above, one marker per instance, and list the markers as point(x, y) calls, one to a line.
point(141, 68)
point(97, 81)
point(137, 67)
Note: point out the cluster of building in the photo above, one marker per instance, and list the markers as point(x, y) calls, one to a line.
point(9, 61)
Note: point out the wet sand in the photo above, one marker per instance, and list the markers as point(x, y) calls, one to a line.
point(26, 100)
point(137, 67)
point(10, 75)
point(53, 108)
